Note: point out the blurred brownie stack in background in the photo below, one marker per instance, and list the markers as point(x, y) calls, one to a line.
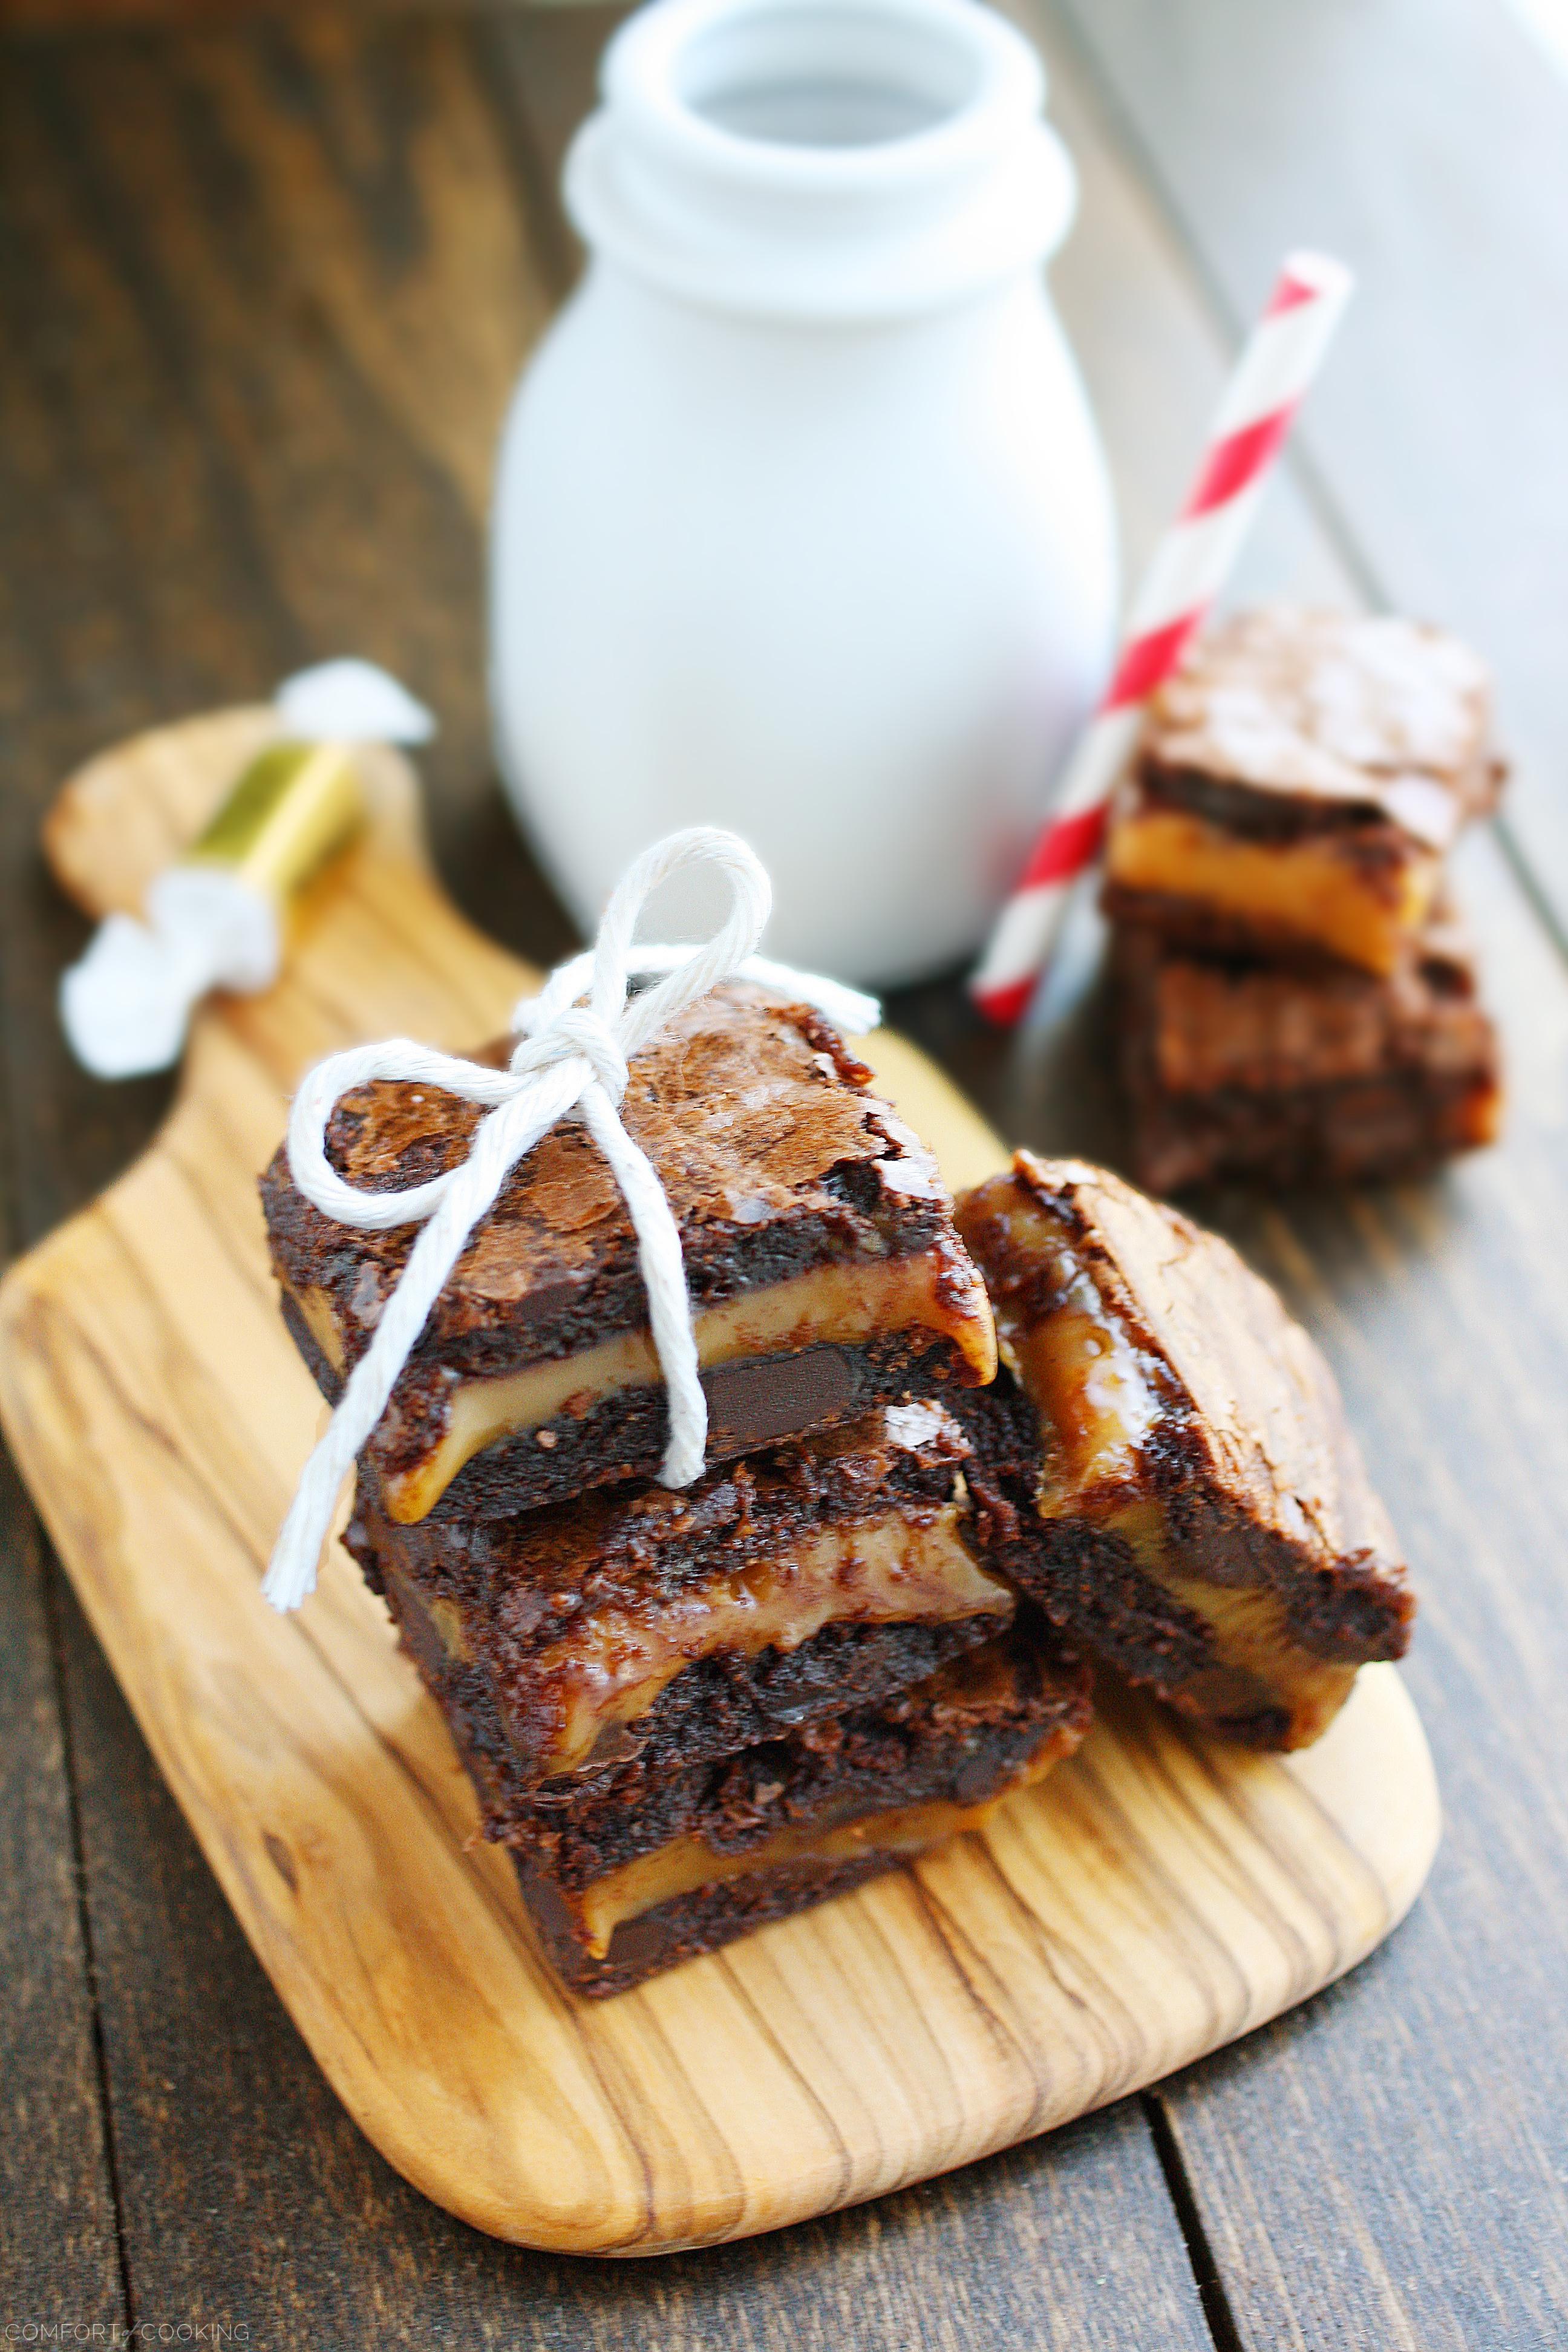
point(1296, 997)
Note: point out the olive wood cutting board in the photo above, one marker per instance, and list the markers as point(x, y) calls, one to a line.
point(1159, 1895)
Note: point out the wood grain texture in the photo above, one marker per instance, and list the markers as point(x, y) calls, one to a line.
point(254, 2199)
point(1157, 1897)
point(296, 252)
point(55, 2187)
point(59, 2240)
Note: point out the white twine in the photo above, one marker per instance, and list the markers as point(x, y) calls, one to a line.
point(572, 1057)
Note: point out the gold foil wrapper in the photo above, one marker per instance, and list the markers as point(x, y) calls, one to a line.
point(294, 805)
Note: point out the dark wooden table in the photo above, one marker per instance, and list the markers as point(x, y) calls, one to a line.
point(265, 281)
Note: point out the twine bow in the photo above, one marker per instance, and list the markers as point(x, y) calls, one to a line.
point(571, 1058)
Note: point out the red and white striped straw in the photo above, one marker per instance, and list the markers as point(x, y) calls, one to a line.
point(1191, 566)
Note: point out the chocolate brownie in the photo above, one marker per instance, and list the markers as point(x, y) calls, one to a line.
point(1242, 1070)
point(1299, 783)
point(619, 1891)
point(638, 1623)
point(1165, 1464)
point(824, 1273)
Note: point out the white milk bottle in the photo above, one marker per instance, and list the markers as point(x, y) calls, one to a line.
point(801, 525)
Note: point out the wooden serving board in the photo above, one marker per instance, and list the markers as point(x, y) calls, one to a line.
point(1158, 1896)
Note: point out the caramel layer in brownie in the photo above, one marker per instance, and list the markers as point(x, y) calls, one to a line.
point(1194, 1508)
point(1299, 783)
point(1318, 892)
point(768, 1831)
point(641, 1621)
point(833, 1306)
point(907, 1567)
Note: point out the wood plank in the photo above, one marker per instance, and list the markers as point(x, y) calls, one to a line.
point(139, 421)
point(1417, 2256)
point(59, 2249)
point(1158, 1894)
point(1153, 308)
point(1428, 145)
point(1422, 2197)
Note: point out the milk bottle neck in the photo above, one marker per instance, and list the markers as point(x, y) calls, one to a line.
point(821, 160)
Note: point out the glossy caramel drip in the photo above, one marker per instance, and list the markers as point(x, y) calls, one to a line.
point(1093, 1389)
point(1099, 1401)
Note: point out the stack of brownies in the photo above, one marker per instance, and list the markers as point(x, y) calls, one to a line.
point(689, 1712)
point(1296, 997)
point(952, 1451)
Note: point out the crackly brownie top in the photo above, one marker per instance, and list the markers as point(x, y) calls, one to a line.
point(774, 1157)
point(1324, 716)
point(616, 1546)
point(1250, 1410)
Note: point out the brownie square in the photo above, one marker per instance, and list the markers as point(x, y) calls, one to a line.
point(622, 1885)
point(1165, 1465)
point(638, 1625)
point(824, 1273)
point(630, 1866)
point(1298, 783)
point(1242, 1070)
